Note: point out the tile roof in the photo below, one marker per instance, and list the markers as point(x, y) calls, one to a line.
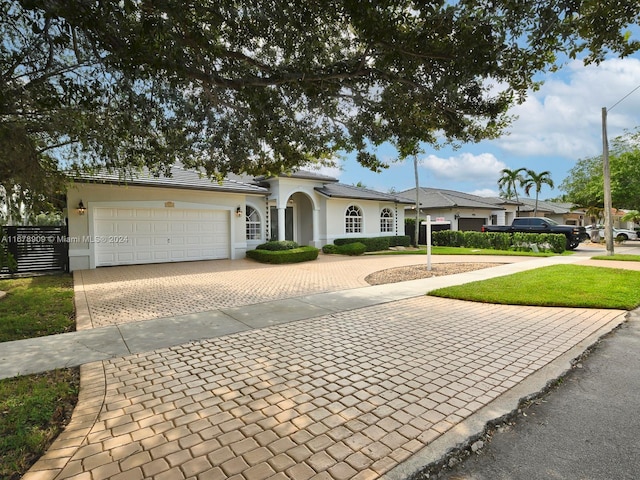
point(301, 174)
point(439, 198)
point(340, 190)
point(180, 178)
point(528, 205)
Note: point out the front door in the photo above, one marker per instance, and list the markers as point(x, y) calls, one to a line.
point(288, 223)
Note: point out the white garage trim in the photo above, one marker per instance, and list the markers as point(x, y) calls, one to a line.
point(130, 233)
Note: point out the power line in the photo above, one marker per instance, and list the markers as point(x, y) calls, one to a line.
point(628, 94)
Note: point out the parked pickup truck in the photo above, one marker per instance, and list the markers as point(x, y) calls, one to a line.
point(574, 234)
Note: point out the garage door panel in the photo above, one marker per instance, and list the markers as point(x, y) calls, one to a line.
point(160, 235)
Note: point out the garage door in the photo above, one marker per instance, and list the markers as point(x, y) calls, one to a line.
point(129, 236)
point(471, 224)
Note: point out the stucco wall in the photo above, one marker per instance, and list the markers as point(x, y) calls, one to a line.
point(101, 195)
point(336, 211)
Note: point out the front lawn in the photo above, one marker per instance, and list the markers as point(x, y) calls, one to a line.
point(36, 306)
point(34, 408)
point(557, 285)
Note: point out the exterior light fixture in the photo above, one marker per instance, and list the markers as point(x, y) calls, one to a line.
point(239, 211)
point(81, 208)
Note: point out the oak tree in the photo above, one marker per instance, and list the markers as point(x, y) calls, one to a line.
point(264, 86)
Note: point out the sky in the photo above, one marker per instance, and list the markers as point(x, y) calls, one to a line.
point(556, 126)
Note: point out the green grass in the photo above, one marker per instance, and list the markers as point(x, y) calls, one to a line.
point(469, 251)
point(619, 257)
point(35, 307)
point(557, 285)
point(34, 408)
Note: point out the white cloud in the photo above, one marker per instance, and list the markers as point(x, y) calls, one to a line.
point(564, 118)
point(481, 168)
point(485, 192)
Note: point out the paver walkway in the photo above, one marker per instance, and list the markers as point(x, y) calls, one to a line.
point(357, 393)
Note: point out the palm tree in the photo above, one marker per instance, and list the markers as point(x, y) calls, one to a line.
point(508, 182)
point(631, 216)
point(537, 180)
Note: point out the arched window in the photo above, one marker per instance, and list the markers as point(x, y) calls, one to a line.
point(254, 226)
point(353, 220)
point(386, 220)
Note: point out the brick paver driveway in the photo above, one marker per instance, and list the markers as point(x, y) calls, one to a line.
point(349, 395)
point(142, 292)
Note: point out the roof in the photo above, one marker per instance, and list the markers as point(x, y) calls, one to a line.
point(438, 198)
point(503, 201)
point(340, 190)
point(301, 174)
point(180, 178)
point(529, 204)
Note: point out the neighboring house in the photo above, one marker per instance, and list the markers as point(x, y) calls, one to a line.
point(563, 213)
point(148, 219)
point(462, 211)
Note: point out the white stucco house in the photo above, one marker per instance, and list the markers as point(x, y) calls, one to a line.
point(459, 210)
point(186, 216)
point(465, 211)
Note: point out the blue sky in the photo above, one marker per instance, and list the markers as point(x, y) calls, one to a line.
point(556, 126)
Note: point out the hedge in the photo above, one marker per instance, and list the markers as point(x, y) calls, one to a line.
point(356, 248)
point(293, 255)
point(501, 241)
point(276, 245)
point(375, 244)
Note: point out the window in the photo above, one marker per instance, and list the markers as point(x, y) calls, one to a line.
point(353, 220)
point(386, 220)
point(254, 227)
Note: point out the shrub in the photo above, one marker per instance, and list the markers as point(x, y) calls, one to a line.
point(400, 241)
point(293, 255)
point(277, 245)
point(500, 241)
point(7, 260)
point(356, 248)
point(376, 244)
point(330, 248)
point(448, 238)
point(554, 242)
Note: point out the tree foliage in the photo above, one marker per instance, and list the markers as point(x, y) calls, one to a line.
point(535, 181)
point(266, 86)
point(584, 184)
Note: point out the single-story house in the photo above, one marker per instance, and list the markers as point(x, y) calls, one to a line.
point(464, 211)
point(186, 216)
point(563, 213)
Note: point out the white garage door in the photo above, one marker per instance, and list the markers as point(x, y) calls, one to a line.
point(129, 236)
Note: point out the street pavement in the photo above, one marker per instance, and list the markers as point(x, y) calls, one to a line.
point(584, 429)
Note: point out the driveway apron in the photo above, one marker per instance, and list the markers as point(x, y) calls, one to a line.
point(358, 393)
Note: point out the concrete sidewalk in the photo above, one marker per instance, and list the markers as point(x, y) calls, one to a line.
point(365, 383)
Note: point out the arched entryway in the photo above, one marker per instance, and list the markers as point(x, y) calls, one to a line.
point(298, 220)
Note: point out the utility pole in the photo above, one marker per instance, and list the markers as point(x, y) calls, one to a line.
point(606, 173)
